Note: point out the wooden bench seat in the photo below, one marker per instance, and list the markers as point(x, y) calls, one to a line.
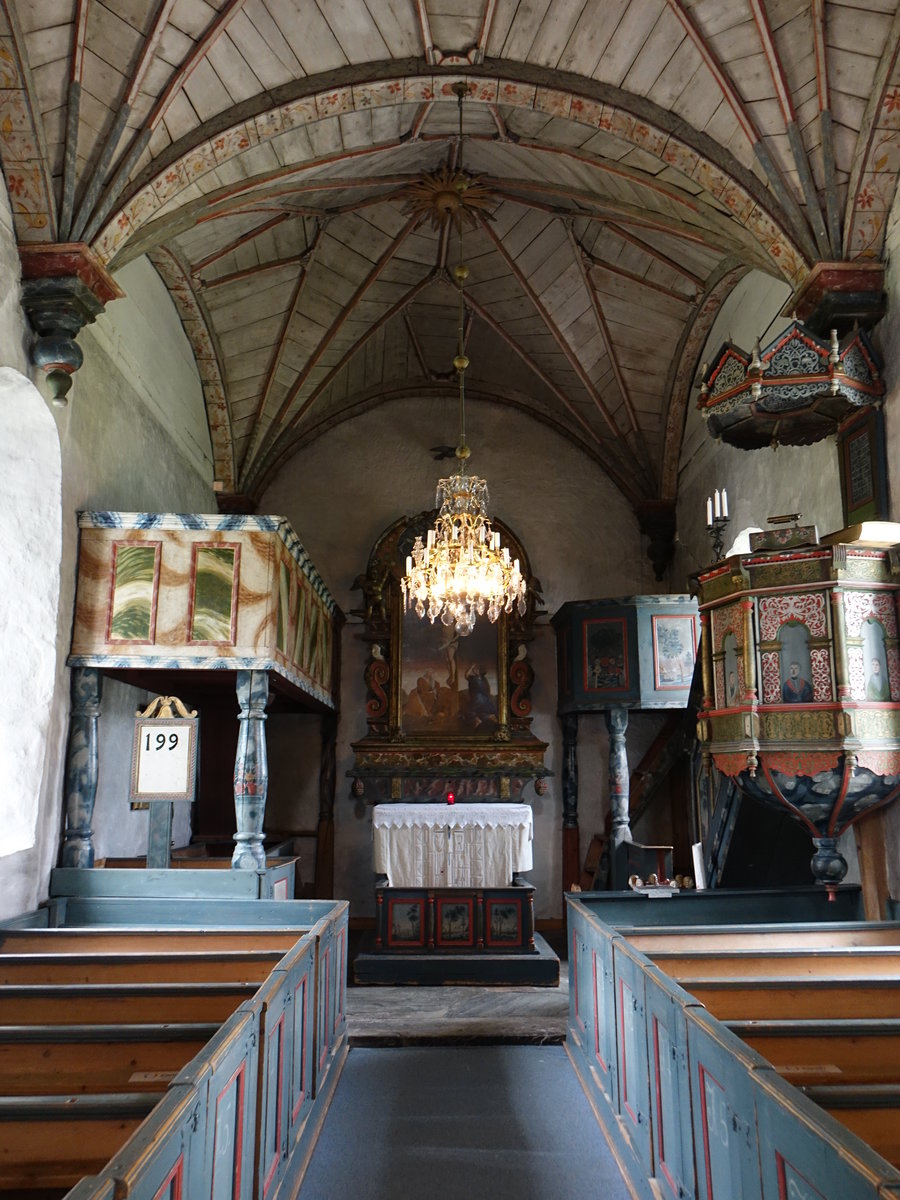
point(52, 1142)
point(872, 1112)
point(233, 966)
point(825, 963)
point(737, 938)
point(807, 998)
point(143, 940)
point(120, 1003)
point(826, 1051)
point(82, 1059)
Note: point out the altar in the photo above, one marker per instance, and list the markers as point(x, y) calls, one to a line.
point(452, 845)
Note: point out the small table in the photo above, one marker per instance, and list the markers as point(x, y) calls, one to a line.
point(452, 845)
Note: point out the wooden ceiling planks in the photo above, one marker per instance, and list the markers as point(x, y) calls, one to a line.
point(703, 133)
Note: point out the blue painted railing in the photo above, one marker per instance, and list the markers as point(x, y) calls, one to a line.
point(693, 1112)
point(240, 1119)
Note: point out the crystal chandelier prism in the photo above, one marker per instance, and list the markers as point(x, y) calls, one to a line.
point(461, 572)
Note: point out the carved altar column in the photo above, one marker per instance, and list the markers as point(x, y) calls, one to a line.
point(81, 768)
point(251, 771)
point(619, 786)
point(571, 860)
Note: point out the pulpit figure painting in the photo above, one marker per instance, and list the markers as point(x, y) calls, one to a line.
point(448, 683)
point(796, 672)
point(605, 655)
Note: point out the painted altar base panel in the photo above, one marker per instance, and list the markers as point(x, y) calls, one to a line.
point(464, 845)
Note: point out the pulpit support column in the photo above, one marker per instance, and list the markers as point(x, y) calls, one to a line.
point(81, 768)
point(251, 771)
point(616, 724)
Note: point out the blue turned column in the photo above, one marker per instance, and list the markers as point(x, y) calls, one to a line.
point(251, 771)
point(616, 724)
point(81, 768)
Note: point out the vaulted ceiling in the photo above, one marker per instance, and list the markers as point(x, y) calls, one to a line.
point(640, 155)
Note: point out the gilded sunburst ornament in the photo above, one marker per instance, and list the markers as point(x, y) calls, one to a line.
point(447, 194)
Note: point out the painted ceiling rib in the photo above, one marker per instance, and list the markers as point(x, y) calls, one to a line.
point(823, 92)
point(425, 30)
point(595, 208)
point(176, 82)
point(487, 20)
point(35, 125)
point(560, 339)
point(280, 343)
point(868, 127)
point(73, 117)
point(621, 479)
point(427, 371)
point(277, 264)
point(388, 315)
point(789, 116)
point(597, 264)
point(420, 118)
point(336, 325)
point(241, 240)
point(778, 183)
point(652, 252)
point(597, 309)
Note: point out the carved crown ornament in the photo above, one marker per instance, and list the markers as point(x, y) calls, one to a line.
point(448, 194)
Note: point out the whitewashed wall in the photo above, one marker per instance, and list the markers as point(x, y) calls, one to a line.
point(124, 446)
point(582, 539)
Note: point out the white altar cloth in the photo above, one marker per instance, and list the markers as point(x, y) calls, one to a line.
point(452, 845)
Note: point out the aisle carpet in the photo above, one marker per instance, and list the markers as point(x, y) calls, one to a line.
point(461, 1123)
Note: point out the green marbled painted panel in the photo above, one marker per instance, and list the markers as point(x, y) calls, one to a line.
point(213, 594)
point(132, 605)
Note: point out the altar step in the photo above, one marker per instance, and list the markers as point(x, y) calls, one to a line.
point(540, 969)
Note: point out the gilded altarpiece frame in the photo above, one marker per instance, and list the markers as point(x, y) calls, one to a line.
point(444, 713)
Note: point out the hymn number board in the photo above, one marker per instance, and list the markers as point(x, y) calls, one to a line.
point(164, 758)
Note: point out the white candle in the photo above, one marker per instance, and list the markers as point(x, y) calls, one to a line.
point(709, 512)
point(430, 538)
point(724, 503)
point(717, 503)
point(408, 565)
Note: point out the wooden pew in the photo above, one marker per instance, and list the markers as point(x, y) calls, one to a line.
point(142, 940)
point(871, 1111)
point(231, 966)
point(51, 1142)
point(53, 1060)
point(752, 999)
point(120, 1003)
point(855, 962)
point(768, 938)
point(809, 1052)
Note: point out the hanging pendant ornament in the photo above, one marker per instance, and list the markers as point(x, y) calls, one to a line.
point(461, 571)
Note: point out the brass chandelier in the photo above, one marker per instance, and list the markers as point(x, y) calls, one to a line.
point(461, 572)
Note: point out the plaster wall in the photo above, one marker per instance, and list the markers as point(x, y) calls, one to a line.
point(121, 448)
point(582, 540)
point(760, 483)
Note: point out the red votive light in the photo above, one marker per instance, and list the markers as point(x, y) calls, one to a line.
point(451, 799)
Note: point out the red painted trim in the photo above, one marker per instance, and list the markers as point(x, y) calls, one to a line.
point(154, 594)
point(58, 260)
point(235, 577)
point(412, 902)
point(279, 1091)
point(573, 982)
point(323, 999)
point(301, 1022)
point(624, 1057)
point(597, 1055)
point(489, 904)
point(173, 1184)
point(237, 1079)
point(660, 1133)
point(707, 1161)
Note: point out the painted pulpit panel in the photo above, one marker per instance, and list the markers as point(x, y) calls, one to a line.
point(167, 590)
